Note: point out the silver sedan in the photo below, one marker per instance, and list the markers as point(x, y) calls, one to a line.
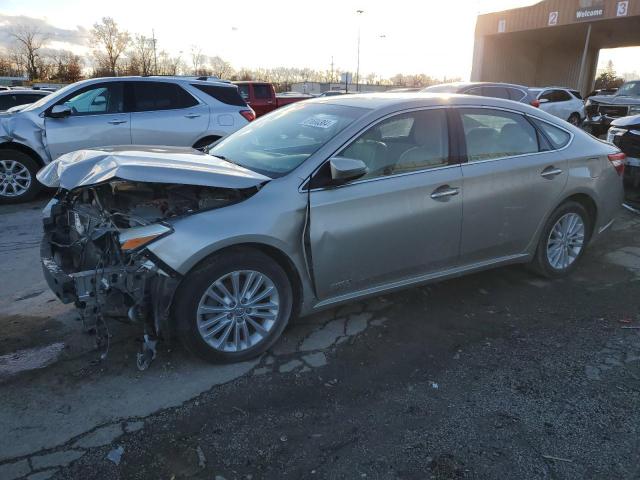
point(320, 203)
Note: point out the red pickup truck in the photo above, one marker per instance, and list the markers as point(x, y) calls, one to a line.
point(262, 98)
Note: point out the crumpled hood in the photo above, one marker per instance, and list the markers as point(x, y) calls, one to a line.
point(615, 100)
point(176, 165)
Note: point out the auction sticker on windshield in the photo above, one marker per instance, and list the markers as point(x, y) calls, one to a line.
point(318, 122)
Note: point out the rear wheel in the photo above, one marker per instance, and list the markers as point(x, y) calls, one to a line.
point(18, 181)
point(574, 119)
point(234, 307)
point(563, 241)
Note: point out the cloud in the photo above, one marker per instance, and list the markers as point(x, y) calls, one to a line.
point(78, 36)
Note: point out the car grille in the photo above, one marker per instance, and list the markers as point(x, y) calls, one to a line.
point(613, 110)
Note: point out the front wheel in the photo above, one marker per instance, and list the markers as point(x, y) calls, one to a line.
point(18, 181)
point(563, 241)
point(234, 307)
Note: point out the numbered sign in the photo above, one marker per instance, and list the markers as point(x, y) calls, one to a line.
point(502, 26)
point(553, 18)
point(623, 9)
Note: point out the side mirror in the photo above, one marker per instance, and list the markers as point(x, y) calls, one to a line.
point(543, 100)
point(346, 169)
point(60, 111)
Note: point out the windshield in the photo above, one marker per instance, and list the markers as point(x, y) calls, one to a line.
point(53, 96)
point(629, 89)
point(277, 143)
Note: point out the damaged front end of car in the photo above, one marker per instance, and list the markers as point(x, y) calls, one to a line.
point(94, 250)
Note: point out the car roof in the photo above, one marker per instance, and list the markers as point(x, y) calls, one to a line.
point(160, 78)
point(399, 101)
point(25, 91)
point(480, 84)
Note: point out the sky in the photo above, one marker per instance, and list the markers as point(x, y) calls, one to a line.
point(399, 36)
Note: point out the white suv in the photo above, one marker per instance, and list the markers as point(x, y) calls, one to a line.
point(174, 111)
point(564, 103)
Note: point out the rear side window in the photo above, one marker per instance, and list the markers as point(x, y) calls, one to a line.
point(149, 96)
point(576, 94)
point(228, 95)
point(492, 134)
point(562, 96)
point(261, 91)
point(516, 94)
point(556, 136)
point(495, 92)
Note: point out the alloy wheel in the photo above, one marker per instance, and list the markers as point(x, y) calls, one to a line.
point(238, 311)
point(15, 178)
point(566, 241)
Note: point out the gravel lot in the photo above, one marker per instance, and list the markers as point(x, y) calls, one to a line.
point(496, 375)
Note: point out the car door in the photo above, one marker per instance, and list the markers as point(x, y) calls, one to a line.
point(164, 113)
point(399, 221)
point(552, 102)
point(512, 180)
point(97, 119)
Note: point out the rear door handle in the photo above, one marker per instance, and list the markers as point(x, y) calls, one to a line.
point(192, 115)
point(116, 122)
point(444, 192)
point(551, 172)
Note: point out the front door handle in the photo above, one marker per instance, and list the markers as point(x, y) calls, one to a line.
point(116, 122)
point(444, 192)
point(192, 115)
point(551, 172)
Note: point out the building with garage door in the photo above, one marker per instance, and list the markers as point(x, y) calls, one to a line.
point(554, 42)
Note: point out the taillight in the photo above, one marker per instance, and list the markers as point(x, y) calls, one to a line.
point(535, 103)
point(617, 160)
point(249, 115)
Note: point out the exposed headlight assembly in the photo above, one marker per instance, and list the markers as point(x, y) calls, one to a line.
point(135, 238)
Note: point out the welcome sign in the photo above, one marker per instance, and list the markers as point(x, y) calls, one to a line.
point(590, 9)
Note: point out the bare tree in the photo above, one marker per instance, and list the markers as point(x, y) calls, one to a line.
point(68, 67)
point(28, 40)
point(220, 68)
point(142, 54)
point(109, 43)
point(168, 65)
point(197, 59)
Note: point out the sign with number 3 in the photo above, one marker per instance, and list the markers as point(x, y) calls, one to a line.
point(623, 9)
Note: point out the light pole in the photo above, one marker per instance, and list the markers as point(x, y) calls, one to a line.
point(359, 12)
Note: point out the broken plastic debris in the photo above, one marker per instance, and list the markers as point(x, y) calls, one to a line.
point(115, 455)
point(434, 385)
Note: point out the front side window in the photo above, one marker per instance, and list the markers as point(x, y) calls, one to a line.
point(243, 90)
point(516, 94)
point(492, 134)
point(96, 100)
point(277, 143)
point(149, 96)
point(403, 143)
point(548, 95)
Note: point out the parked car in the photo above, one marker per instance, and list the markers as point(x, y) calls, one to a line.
point(625, 134)
point(14, 98)
point(262, 97)
point(517, 93)
point(278, 221)
point(603, 109)
point(333, 93)
point(113, 111)
point(561, 102)
point(603, 92)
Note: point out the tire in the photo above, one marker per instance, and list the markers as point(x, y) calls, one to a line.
point(18, 181)
point(191, 299)
point(542, 261)
point(574, 119)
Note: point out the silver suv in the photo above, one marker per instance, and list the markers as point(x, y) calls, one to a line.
point(175, 111)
